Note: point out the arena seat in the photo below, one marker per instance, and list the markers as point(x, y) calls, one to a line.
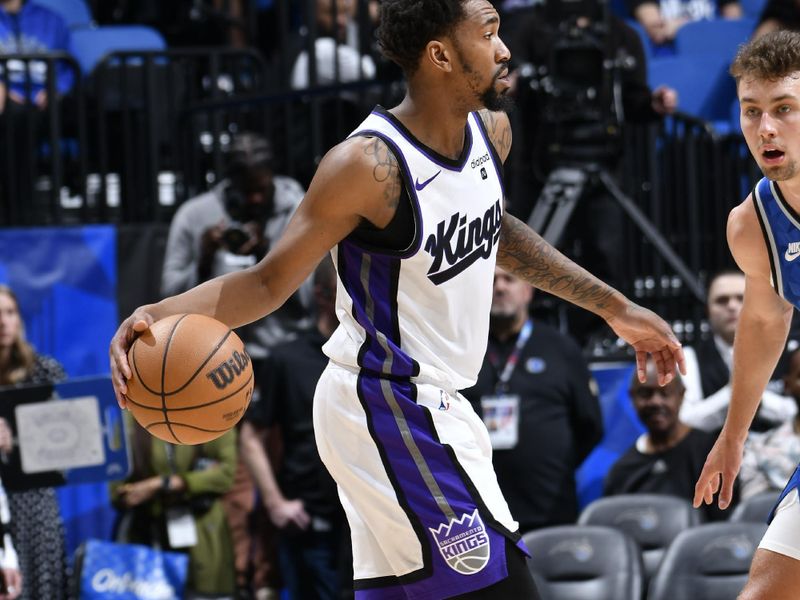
point(90, 46)
point(75, 12)
point(574, 562)
point(652, 520)
point(707, 562)
point(705, 89)
point(755, 509)
point(720, 37)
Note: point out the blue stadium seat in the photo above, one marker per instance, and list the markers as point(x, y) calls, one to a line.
point(90, 46)
point(720, 37)
point(75, 12)
point(643, 37)
point(752, 9)
point(704, 87)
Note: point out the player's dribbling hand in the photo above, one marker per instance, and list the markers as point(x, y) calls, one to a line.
point(128, 331)
point(720, 471)
point(649, 334)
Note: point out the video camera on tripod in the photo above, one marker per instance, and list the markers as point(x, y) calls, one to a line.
point(578, 86)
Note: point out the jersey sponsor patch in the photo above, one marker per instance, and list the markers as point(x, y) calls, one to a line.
point(464, 543)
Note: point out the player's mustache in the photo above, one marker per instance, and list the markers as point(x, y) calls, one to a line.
point(502, 69)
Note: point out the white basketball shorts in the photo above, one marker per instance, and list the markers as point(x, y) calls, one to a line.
point(414, 469)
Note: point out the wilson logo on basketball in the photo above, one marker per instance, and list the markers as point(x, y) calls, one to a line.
point(225, 373)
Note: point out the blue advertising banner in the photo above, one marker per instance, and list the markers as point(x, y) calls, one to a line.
point(66, 279)
point(110, 571)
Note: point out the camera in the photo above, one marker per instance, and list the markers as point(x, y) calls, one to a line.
point(235, 237)
point(578, 86)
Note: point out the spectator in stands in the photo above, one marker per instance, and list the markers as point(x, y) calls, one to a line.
point(170, 482)
point(708, 363)
point(771, 457)
point(661, 19)
point(230, 228)
point(301, 497)
point(36, 526)
point(778, 14)
point(539, 403)
point(28, 28)
point(10, 575)
point(669, 456)
point(341, 54)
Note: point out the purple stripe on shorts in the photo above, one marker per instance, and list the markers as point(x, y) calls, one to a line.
point(465, 554)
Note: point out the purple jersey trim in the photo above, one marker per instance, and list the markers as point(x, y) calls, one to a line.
point(430, 488)
point(371, 282)
point(430, 154)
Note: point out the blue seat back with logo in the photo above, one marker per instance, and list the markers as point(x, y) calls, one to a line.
point(110, 571)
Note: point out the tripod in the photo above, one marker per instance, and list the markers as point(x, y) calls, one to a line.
point(563, 191)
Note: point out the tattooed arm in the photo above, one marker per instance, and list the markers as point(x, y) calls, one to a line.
point(358, 179)
point(499, 129)
point(525, 254)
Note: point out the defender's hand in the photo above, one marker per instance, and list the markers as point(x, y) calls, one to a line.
point(720, 471)
point(128, 331)
point(649, 334)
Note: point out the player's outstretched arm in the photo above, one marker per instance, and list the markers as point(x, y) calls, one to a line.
point(760, 338)
point(525, 254)
point(358, 179)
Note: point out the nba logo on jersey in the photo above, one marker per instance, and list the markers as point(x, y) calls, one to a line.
point(464, 543)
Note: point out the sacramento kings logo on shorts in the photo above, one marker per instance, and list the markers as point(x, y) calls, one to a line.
point(464, 543)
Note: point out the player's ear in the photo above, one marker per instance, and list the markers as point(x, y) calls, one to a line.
point(439, 55)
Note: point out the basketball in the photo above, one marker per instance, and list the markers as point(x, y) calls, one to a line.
point(191, 379)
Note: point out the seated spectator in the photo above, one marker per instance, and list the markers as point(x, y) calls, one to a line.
point(169, 482)
point(709, 362)
point(27, 28)
point(778, 14)
point(668, 457)
point(36, 527)
point(539, 403)
point(341, 55)
point(661, 19)
point(771, 457)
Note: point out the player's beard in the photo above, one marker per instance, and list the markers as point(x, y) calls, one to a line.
point(494, 100)
point(782, 172)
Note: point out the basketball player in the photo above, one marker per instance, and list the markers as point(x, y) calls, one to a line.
point(764, 237)
point(411, 205)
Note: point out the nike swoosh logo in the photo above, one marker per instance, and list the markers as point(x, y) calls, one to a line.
point(790, 256)
point(421, 186)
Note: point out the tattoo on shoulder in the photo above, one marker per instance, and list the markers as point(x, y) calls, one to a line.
point(499, 131)
point(525, 254)
point(385, 170)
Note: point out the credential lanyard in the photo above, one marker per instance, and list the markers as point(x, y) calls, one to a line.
point(513, 358)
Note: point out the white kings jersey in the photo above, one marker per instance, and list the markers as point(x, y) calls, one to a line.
point(424, 312)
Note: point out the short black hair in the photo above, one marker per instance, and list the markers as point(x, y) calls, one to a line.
point(406, 27)
point(249, 151)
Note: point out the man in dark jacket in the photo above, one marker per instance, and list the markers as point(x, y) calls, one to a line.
point(540, 405)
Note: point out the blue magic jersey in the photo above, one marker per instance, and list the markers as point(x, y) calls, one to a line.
point(425, 312)
point(780, 225)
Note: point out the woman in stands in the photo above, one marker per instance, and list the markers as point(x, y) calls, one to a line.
point(36, 526)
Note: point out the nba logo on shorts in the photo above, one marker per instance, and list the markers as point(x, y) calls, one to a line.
point(464, 543)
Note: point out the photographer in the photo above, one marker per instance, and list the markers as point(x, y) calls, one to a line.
point(583, 77)
point(230, 228)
